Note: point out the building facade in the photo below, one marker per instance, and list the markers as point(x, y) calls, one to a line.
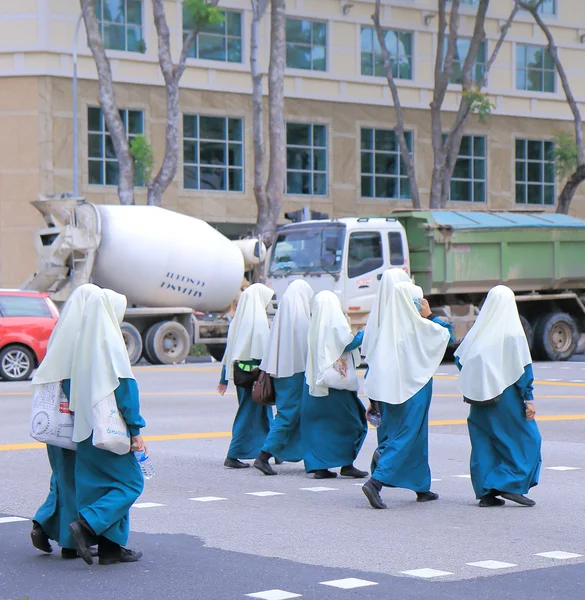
point(342, 155)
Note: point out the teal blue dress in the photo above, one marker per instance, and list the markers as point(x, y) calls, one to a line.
point(403, 438)
point(333, 427)
point(60, 507)
point(505, 445)
point(251, 424)
point(284, 440)
point(108, 484)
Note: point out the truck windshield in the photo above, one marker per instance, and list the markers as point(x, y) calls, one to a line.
point(308, 248)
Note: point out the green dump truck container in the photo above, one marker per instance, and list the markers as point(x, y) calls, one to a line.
point(456, 257)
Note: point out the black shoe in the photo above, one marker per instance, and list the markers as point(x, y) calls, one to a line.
point(518, 498)
point(426, 496)
point(124, 555)
point(324, 474)
point(376, 459)
point(373, 495)
point(490, 500)
point(234, 463)
point(84, 539)
point(351, 471)
point(70, 553)
point(39, 539)
point(264, 467)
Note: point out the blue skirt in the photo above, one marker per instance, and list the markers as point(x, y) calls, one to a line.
point(333, 428)
point(284, 440)
point(250, 428)
point(107, 486)
point(60, 507)
point(505, 446)
point(405, 443)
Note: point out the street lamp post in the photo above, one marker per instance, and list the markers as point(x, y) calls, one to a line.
point(75, 126)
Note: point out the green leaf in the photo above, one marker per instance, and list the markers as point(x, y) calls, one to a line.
point(201, 13)
point(566, 155)
point(479, 103)
point(143, 156)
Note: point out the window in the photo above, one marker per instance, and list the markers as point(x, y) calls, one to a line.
point(306, 45)
point(121, 24)
point(222, 41)
point(468, 183)
point(396, 249)
point(24, 306)
point(213, 153)
point(535, 70)
point(535, 172)
point(461, 51)
point(365, 253)
point(548, 7)
point(384, 173)
point(102, 165)
point(470, 2)
point(399, 44)
point(306, 159)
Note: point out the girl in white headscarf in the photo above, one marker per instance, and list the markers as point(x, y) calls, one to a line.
point(107, 484)
point(496, 380)
point(389, 280)
point(53, 517)
point(285, 360)
point(247, 341)
point(410, 345)
point(333, 421)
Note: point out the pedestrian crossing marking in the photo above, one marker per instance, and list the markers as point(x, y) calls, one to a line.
point(491, 564)
point(274, 595)
point(207, 499)
point(146, 505)
point(263, 494)
point(349, 584)
point(559, 555)
point(11, 520)
point(427, 573)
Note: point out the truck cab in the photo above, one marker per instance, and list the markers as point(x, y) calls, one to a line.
point(346, 256)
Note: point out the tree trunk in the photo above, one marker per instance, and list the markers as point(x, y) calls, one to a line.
point(172, 76)
point(259, 8)
point(277, 128)
point(566, 196)
point(109, 106)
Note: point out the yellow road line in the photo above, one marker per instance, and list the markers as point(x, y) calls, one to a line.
point(227, 434)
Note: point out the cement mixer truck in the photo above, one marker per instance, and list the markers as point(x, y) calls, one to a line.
point(180, 275)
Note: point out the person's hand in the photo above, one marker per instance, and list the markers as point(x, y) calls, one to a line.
point(221, 389)
point(530, 411)
point(138, 444)
point(425, 311)
point(373, 408)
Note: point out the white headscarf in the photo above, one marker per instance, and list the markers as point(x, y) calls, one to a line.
point(100, 358)
point(56, 366)
point(407, 351)
point(495, 351)
point(389, 279)
point(286, 353)
point(329, 334)
point(248, 333)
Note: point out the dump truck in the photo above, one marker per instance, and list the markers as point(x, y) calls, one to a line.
point(456, 257)
point(180, 275)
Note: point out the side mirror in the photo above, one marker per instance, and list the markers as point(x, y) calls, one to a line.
point(331, 244)
point(257, 250)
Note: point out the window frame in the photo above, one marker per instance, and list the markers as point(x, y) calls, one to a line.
point(37, 300)
point(543, 70)
point(472, 180)
point(311, 148)
point(400, 177)
point(226, 167)
point(354, 235)
point(311, 45)
point(461, 62)
point(126, 25)
point(542, 184)
point(374, 53)
point(104, 134)
point(226, 37)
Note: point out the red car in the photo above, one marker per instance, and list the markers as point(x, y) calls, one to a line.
point(27, 320)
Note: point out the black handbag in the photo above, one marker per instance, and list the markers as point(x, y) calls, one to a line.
point(245, 375)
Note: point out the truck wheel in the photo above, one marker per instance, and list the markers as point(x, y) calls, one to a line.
point(528, 330)
point(133, 341)
point(581, 345)
point(16, 363)
point(556, 336)
point(217, 351)
point(167, 343)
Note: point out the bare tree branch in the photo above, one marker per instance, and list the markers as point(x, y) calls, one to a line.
point(109, 105)
point(399, 128)
point(259, 8)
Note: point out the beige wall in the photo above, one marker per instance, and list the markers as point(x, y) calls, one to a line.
point(36, 156)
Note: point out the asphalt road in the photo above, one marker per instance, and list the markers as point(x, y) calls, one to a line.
point(209, 533)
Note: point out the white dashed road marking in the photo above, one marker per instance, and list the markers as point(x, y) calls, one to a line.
point(427, 573)
point(349, 584)
point(274, 595)
point(563, 468)
point(146, 505)
point(207, 499)
point(11, 520)
point(492, 564)
point(320, 489)
point(463, 476)
point(559, 555)
point(262, 494)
